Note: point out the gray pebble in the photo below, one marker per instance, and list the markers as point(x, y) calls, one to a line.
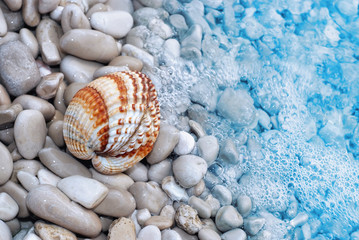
point(189, 170)
point(208, 148)
point(244, 205)
point(160, 170)
point(117, 203)
point(138, 172)
point(202, 207)
point(208, 234)
point(228, 218)
point(222, 194)
point(229, 152)
point(235, 234)
point(18, 70)
point(6, 164)
point(253, 225)
point(36, 103)
point(5, 232)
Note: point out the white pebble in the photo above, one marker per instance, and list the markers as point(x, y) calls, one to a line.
point(160, 170)
point(185, 143)
point(223, 195)
point(235, 234)
point(299, 220)
point(202, 207)
point(214, 203)
point(6, 163)
point(173, 190)
point(244, 205)
point(5, 232)
point(149, 233)
point(208, 148)
point(8, 207)
point(253, 225)
point(27, 180)
point(160, 28)
point(208, 234)
point(189, 170)
point(228, 218)
point(133, 51)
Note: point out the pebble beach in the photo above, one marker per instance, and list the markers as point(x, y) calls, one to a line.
point(259, 132)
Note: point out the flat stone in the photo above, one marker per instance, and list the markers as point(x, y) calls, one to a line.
point(189, 170)
point(6, 164)
point(122, 229)
point(166, 141)
point(8, 207)
point(36, 103)
point(117, 203)
point(49, 203)
point(58, 162)
point(187, 219)
point(53, 232)
point(103, 47)
point(18, 194)
point(227, 218)
point(18, 69)
point(149, 233)
point(114, 23)
point(149, 195)
point(30, 133)
point(116, 181)
point(86, 191)
point(49, 84)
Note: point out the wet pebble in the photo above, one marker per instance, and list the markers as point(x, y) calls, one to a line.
point(185, 143)
point(86, 191)
point(208, 148)
point(160, 170)
point(189, 170)
point(235, 234)
point(53, 232)
point(8, 207)
point(223, 194)
point(30, 132)
point(48, 85)
point(49, 203)
point(18, 194)
point(122, 229)
point(186, 218)
point(252, 225)
point(18, 69)
point(244, 205)
point(36, 103)
point(139, 53)
point(208, 234)
point(6, 164)
point(117, 181)
point(149, 233)
point(173, 190)
point(114, 23)
point(5, 232)
point(107, 70)
point(132, 63)
point(228, 218)
point(27, 180)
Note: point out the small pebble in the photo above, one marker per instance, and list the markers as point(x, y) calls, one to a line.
point(9, 113)
point(299, 220)
point(173, 190)
point(48, 85)
point(160, 170)
point(159, 27)
point(185, 143)
point(149, 233)
point(36, 103)
point(138, 172)
point(30, 12)
point(8, 207)
point(59, 101)
point(56, 133)
point(208, 234)
point(202, 207)
point(46, 6)
point(189, 170)
point(170, 234)
point(86, 191)
point(47, 177)
point(53, 232)
point(14, 5)
point(143, 215)
point(235, 234)
point(114, 23)
point(136, 52)
point(186, 218)
point(73, 18)
point(244, 205)
point(132, 63)
point(30, 132)
point(223, 195)
point(4, 96)
point(49, 203)
point(229, 152)
point(197, 189)
point(71, 90)
point(18, 194)
point(27, 180)
point(228, 218)
point(253, 225)
point(197, 128)
point(29, 39)
point(116, 181)
point(208, 148)
point(5, 232)
point(6, 164)
point(117, 203)
point(122, 229)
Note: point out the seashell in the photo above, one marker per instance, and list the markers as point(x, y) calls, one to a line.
point(114, 121)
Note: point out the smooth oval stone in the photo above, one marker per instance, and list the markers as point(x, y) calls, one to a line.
point(86, 191)
point(4, 96)
point(27, 180)
point(132, 63)
point(30, 12)
point(159, 171)
point(103, 48)
point(187, 219)
point(13, 5)
point(73, 18)
point(208, 234)
point(117, 181)
point(122, 229)
point(49, 203)
point(18, 69)
point(149, 233)
point(19, 195)
point(71, 90)
point(149, 195)
point(7, 136)
point(8, 207)
point(197, 189)
point(114, 23)
point(161, 222)
point(36, 103)
point(139, 53)
point(56, 133)
point(6, 164)
point(138, 172)
point(108, 69)
point(227, 218)
point(173, 190)
point(189, 170)
point(59, 162)
point(244, 205)
point(30, 133)
point(166, 141)
point(117, 203)
point(49, 84)
point(29, 39)
point(78, 70)
point(3, 25)
point(169, 234)
point(46, 6)
point(30, 166)
point(5, 232)
point(9, 113)
point(48, 34)
point(202, 207)
point(185, 143)
point(208, 148)
point(223, 194)
point(53, 232)
point(47, 177)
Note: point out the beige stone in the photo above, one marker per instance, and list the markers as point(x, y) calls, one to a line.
point(53, 232)
point(122, 229)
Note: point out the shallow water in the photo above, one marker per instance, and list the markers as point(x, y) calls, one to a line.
point(298, 60)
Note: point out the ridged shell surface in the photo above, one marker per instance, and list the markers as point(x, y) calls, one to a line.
point(114, 121)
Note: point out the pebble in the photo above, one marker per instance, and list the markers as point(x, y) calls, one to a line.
point(9, 37)
point(108, 69)
point(30, 12)
point(170, 234)
point(159, 27)
point(173, 190)
point(53, 232)
point(59, 101)
point(13, 5)
point(184, 235)
point(6, 164)
point(159, 171)
point(5, 232)
point(114, 23)
point(208, 234)
point(197, 189)
point(149, 233)
point(132, 63)
point(46, 6)
point(56, 133)
point(76, 41)
point(30, 132)
point(8, 207)
point(172, 47)
point(73, 18)
point(18, 69)
point(149, 195)
point(229, 152)
point(86, 191)
point(186, 218)
point(7, 136)
point(123, 5)
point(196, 128)
point(47, 177)
point(189, 170)
point(136, 52)
point(152, 3)
point(235, 234)
point(253, 225)
point(27, 180)
point(29, 39)
point(30, 166)
point(137, 36)
point(49, 203)
point(49, 84)
point(244, 205)
point(48, 34)
point(138, 172)
point(18, 194)
point(117, 181)
point(179, 24)
point(14, 226)
point(144, 15)
point(299, 220)
point(117, 203)
point(185, 143)
point(202, 207)
point(228, 218)
point(4, 96)
point(58, 116)
point(71, 90)
point(142, 216)
point(208, 148)
point(98, 7)
point(122, 229)
point(223, 195)
point(36, 103)
point(58, 162)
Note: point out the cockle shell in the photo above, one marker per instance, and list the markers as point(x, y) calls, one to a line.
point(114, 121)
